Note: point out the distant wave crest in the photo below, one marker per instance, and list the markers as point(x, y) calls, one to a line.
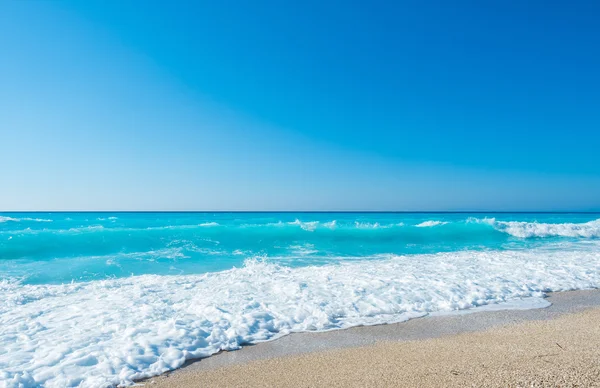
point(429, 224)
point(524, 229)
point(209, 224)
point(26, 219)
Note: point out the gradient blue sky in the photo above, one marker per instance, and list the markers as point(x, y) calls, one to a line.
point(269, 105)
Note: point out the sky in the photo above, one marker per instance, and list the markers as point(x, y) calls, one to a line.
point(270, 105)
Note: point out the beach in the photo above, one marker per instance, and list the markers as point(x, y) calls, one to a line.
point(554, 346)
point(110, 299)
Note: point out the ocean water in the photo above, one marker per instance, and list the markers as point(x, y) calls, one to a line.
point(101, 299)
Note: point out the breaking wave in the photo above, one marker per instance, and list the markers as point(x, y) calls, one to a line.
point(429, 224)
point(524, 229)
point(142, 326)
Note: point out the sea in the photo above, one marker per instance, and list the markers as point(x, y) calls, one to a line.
point(106, 299)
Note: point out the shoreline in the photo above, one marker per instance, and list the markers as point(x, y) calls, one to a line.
point(316, 345)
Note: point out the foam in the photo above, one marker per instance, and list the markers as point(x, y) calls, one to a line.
point(145, 325)
point(102, 228)
point(11, 219)
point(429, 224)
point(330, 224)
point(523, 229)
point(308, 226)
point(303, 250)
point(367, 225)
point(209, 224)
point(83, 229)
point(313, 225)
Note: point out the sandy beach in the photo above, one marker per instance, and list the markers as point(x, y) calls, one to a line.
point(554, 346)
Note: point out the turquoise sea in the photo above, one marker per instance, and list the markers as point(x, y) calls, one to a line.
point(100, 299)
point(51, 248)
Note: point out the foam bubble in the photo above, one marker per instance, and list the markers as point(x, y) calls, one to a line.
point(114, 331)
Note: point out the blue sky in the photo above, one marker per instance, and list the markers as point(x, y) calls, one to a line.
point(265, 105)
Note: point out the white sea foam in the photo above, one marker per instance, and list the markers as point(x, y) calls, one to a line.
point(331, 224)
point(83, 229)
point(153, 255)
point(98, 228)
point(36, 219)
point(303, 250)
point(278, 224)
point(367, 225)
point(375, 225)
point(11, 219)
point(523, 229)
point(428, 224)
point(114, 331)
point(310, 225)
point(209, 224)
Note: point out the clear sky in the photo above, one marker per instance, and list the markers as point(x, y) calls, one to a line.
point(317, 105)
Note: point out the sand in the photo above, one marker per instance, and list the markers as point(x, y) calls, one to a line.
point(546, 347)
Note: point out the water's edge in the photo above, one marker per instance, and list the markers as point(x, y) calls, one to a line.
point(427, 327)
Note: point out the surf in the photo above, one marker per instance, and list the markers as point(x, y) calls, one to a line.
point(142, 326)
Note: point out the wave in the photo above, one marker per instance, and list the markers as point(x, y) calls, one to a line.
point(469, 229)
point(303, 250)
point(82, 229)
point(367, 225)
point(524, 229)
point(309, 226)
point(429, 224)
point(313, 225)
point(11, 219)
point(114, 259)
point(375, 225)
point(108, 229)
point(146, 325)
point(330, 224)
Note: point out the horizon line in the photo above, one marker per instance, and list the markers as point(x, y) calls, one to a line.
point(315, 211)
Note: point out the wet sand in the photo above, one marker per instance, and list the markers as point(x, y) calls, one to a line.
point(554, 346)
